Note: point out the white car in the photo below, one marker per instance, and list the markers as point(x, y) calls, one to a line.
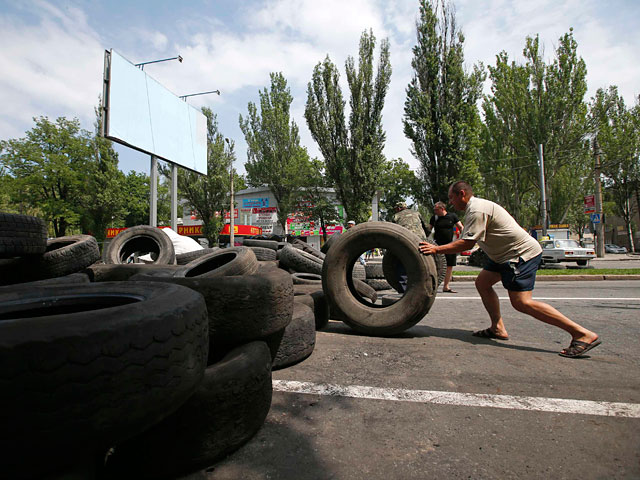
point(563, 250)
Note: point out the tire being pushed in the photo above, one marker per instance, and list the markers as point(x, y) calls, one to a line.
point(86, 366)
point(357, 312)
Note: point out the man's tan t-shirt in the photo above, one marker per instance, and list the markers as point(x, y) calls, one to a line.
point(497, 232)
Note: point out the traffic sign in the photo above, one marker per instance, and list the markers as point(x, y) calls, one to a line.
point(595, 218)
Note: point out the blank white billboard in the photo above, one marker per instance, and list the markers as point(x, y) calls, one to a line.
point(144, 115)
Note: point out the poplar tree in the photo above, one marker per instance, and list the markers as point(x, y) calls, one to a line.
point(440, 114)
point(352, 155)
point(275, 157)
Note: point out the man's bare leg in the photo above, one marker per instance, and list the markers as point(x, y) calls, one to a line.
point(447, 278)
point(484, 284)
point(523, 302)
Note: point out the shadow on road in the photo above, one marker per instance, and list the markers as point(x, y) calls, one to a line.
point(422, 331)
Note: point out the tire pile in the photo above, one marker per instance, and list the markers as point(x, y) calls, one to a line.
point(161, 369)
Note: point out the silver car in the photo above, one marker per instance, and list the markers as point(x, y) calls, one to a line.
point(611, 248)
point(564, 250)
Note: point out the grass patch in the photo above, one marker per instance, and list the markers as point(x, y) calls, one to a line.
point(570, 271)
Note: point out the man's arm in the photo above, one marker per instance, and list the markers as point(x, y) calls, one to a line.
point(453, 247)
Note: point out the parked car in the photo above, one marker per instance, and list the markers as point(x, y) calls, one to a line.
point(611, 248)
point(564, 250)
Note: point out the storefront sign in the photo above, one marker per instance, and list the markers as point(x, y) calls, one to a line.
point(255, 202)
point(190, 230)
point(248, 230)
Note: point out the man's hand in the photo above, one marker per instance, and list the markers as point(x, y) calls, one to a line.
point(427, 248)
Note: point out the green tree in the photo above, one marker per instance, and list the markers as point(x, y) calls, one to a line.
point(208, 195)
point(353, 157)
point(48, 167)
point(103, 199)
point(275, 157)
point(618, 138)
point(136, 191)
point(537, 104)
point(315, 202)
point(397, 182)
point(440, 114)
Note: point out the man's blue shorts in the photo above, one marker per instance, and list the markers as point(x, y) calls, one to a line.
point(517, 277)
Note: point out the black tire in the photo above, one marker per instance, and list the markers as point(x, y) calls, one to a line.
point(224, 262)
point(365, 290)
point(299, 338)
point(264, 254)
point(184, 258)
point(327, 245)
point(300, 261)
point(85, 367)
point(390, 272)
point(375, 319)
point(374, 270)
point(124, 271)
point(22, 235)
point(227, 409)
point(240, 308)
point(64, 255)
point(253, 242)
point(317, 301)
point(73, 278)
point(441, 264)
point(309, 249)
point(359, 271)
point(378, 284)
point(306, 279)
point(141, 240)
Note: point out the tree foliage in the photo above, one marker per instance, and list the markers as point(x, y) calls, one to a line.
point(275, 157)
point(397, 182)
point(616, 130)
point(208, 195)
point(315, 203)
point(353, 156)
point(537, 104)
point(440, 114)
point(48, 167)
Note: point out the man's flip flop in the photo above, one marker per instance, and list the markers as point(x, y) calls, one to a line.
point(577, 348)
point(448, 290)
point(487, 333)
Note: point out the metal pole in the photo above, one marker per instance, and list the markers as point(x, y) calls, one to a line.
point(543, 190)
point(231, 209)
point(599, 226)
point(153, 189)
point(174, 197)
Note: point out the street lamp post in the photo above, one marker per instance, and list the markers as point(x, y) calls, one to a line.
point(231, 210)
point(142, 64)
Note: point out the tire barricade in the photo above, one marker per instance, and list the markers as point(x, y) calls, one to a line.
point(187, 342)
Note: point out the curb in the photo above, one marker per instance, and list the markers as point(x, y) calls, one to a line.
point(551, 278)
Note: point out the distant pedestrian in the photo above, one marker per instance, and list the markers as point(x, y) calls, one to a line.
point(514, 258)
point(442, 224)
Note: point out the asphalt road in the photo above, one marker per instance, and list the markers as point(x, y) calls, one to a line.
point(436, 402)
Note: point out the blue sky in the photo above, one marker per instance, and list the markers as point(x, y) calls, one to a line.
point(52, 52)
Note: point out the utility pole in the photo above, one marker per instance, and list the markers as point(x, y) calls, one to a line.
point(543, 190)
point(231, 212)
point(599, 226)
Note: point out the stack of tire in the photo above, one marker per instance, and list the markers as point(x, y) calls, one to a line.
point(167, 367)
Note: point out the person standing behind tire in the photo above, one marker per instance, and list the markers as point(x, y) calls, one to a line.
point(412, 221)
point(442, 223)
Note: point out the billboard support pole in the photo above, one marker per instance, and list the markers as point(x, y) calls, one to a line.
point(153, 192)
point(174, 197)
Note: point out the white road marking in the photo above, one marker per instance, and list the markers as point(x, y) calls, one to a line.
point(540, 404)
point(613, 299)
